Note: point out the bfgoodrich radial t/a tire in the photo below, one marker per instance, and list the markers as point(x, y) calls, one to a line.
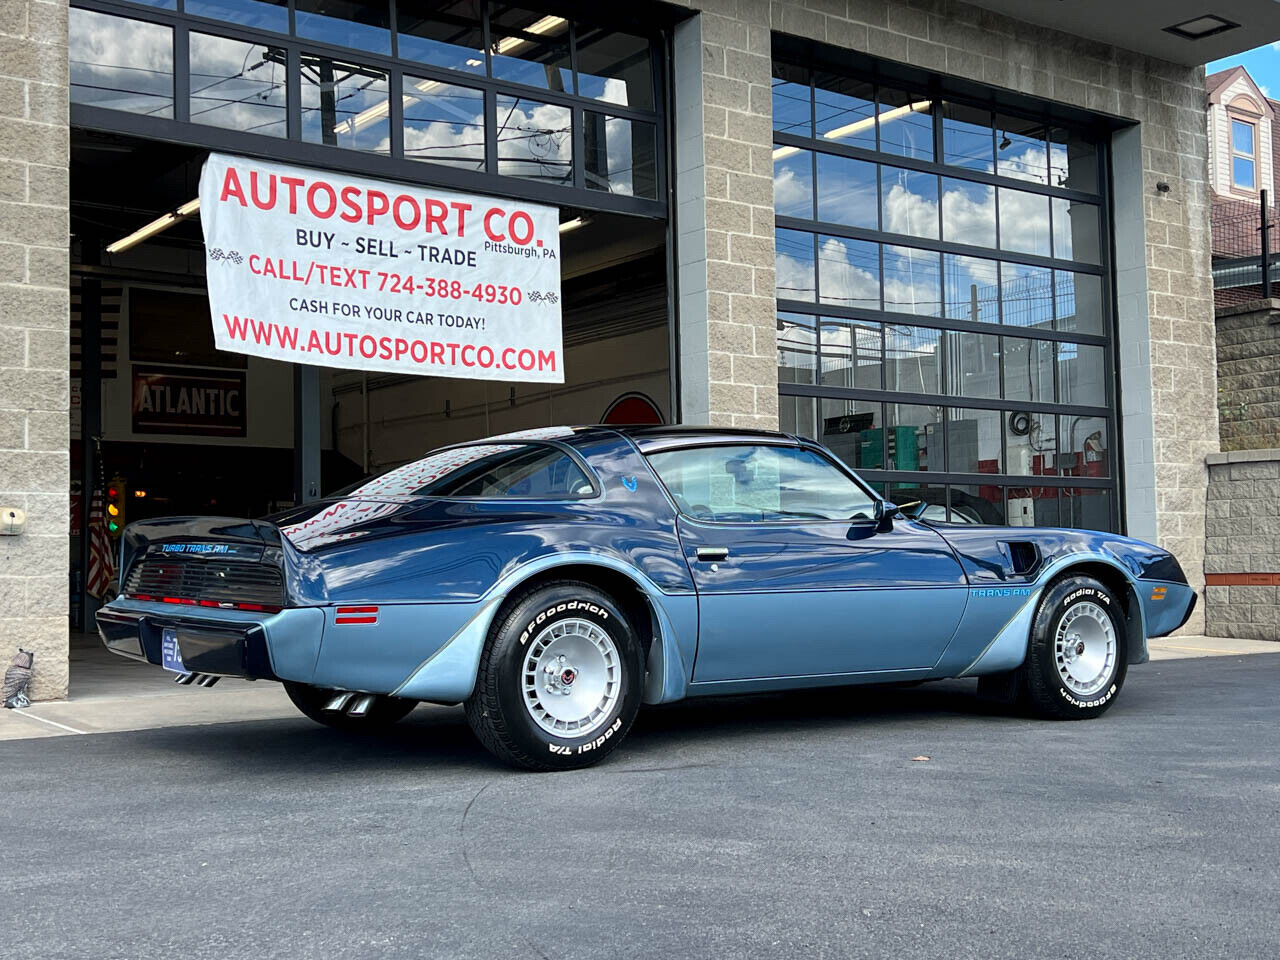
point(1076, 661)
point(559, 682)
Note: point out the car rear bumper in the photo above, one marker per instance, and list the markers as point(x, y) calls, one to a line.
point(223, 643)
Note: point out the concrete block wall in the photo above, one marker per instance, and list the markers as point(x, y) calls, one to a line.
point(1242, 550)
point(1167, 318)
point(1248, 342)
point(34, 336)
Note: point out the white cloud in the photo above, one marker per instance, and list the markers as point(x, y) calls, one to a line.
point(844, 281)
point(790, 192)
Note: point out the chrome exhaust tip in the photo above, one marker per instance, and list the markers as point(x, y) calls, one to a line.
point(361, 705)
point(208, 681)
point(185, 678)
point(339, 701)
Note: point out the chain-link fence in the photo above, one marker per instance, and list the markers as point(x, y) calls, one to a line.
point(1240, 271)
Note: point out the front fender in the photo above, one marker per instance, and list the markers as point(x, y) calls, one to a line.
point(1007, 649)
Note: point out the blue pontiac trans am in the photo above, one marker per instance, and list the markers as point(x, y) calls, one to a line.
point(554, 580)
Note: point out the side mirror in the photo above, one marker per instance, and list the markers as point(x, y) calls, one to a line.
point(883, 515)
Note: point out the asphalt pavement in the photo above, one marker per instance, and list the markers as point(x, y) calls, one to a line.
point(790, 825)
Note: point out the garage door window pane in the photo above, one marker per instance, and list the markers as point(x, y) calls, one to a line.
point(968, 212)
point(365, 24)
point(535, 140)
point(906, 124)
point(799, 416)
point(852, 429)
point(791, 109)
point(530, 47)
point(1078, 302)
point(1021, 151)
point(911, 359)
point(621, 156)
point(847, 192)
point(1024, 222)
point(972, 361)
point(263, 14)
point(239, 86)
point(1075, 231)
point(851, 353)
point(1084, 447)
point(913, 437)
point(977, 503)
point(972, 288)
point(1073, 161)
point(441, 34)
point(443, 123)
point(615, 67)
point(845, 111)
point(1031, 443)
point(1086, 509)
point(120, 64)
point(967, 139)
point(797, 348)
point(345, 105)
point(793, 259)
point(1080, 374)
point(912, 281)
point(933, 496)
point(1028, 369)
point(793, 183)
point(849, 272)
point(909, 202)
point(1026, 295)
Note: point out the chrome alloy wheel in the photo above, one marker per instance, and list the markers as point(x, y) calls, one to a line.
point(572, 678)
point(1085, 649)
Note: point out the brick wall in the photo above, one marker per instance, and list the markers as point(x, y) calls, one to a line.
point(1167, 315)
point(1242, 550)
point(1248, 346)
point(34, 346)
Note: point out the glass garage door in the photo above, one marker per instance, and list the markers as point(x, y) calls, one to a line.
point(944, 318)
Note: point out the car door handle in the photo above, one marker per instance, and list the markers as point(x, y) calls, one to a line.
point(713, 553)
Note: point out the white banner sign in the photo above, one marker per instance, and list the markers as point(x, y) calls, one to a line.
point(322, 268)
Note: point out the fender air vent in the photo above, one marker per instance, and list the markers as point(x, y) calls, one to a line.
point(1023, 556)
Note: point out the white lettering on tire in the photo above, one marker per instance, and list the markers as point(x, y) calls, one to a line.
point(1086, 704)
point(568, 750)
point(578, 605)
point(1086, 592)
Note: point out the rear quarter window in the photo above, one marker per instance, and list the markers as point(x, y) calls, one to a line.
point(484, 471)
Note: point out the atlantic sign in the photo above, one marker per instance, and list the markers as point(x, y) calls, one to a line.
point(321, 268)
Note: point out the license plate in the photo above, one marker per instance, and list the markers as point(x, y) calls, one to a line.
point(170, 655)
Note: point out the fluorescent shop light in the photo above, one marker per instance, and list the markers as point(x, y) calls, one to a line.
point(159, 225)
point(574, 224)
point(858, 126)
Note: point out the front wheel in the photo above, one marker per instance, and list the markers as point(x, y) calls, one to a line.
point(560, 679)
point(350, 713)
point(1076, 662)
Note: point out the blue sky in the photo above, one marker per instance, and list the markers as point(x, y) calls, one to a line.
point(1263, 65)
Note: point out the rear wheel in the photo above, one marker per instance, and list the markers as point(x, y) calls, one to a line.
point(355, 712)
point(1076, 662)
point(559, 682)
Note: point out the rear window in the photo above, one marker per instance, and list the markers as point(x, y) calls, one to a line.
point(485, 470)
